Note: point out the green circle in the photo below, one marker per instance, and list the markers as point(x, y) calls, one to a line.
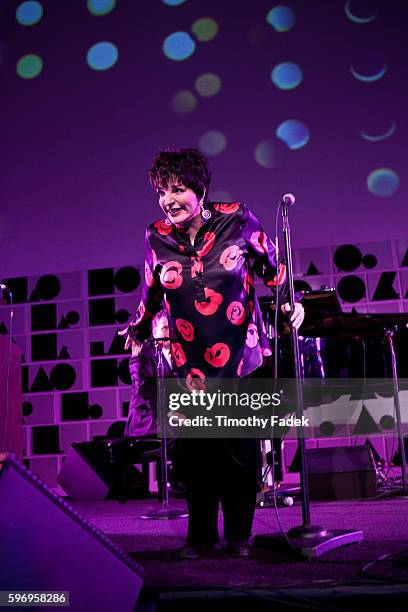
point(208, 84)
point(29, 66)
point(183, 101)
point(101, 7)
point(205, 29)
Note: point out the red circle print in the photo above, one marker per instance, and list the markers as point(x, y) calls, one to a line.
point(236, 313)
point(218, 354)
point(252, 336)
point(186, 329)
point(178, 354)
point(195, 380)
point(209, 240)
point(210, 306)
point(163, 228)
point(170, 275)
point(259, 242)
point(148, 275)
point(230, 257)
point(227, 209)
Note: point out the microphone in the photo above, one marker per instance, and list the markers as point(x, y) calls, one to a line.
point(3, 286)
point(288, 200)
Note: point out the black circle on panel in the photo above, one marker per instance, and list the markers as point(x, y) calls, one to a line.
point(48, 287)
point(27, 409)
point(122, 316)
point(347, 257)
point(301, 285)
point(72, 317)
point(387, 422)
point(127, 279)
point(95, 411)
point(123, 371)
point(369, 261)
point(62, 376)
point(327, 428)
point(116, 430)
point(351, 289)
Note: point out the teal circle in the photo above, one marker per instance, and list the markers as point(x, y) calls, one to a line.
point(102, 56)
point(101, 7)
point(183, 101)
point(178, 46)
point(383, 182)
point(29, 13)
point(287, 75)
point(212, 142)
point(29, 66)
point(265, 154)
point(293, 133)
point(173, 2)
point(281, 18)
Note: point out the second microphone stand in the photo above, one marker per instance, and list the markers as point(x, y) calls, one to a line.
point(312, 541)
point(165, 512)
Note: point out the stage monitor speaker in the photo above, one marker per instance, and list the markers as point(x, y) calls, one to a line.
point(87, 473)
point(46, 546)
point(342, 472)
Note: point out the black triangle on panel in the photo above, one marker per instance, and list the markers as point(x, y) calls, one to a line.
point(404, 263)
point(34, 297)
point(64, 354)
point(41, 382)
point(117, 346)
point(384, 289)
point(312, 270)
point(365, 423)
point(63, 323)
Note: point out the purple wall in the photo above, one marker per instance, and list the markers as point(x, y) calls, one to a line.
point(77, 143)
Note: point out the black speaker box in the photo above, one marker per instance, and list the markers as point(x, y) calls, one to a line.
point(87, 473)
point(47, 546)
point(342, 472)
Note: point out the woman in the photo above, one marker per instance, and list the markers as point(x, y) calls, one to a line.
point(199, 261)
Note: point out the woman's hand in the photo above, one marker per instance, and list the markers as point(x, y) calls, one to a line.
point(297, 316)
point(130, 342)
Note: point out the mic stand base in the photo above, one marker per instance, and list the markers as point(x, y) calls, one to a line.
point(312, 541)
point(164, 514)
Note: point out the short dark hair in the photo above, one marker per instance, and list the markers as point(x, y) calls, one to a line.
point(188, 165)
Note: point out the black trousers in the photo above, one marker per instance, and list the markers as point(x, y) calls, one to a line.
point(220, 471)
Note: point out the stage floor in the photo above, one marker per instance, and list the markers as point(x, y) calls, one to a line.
point(338, 573)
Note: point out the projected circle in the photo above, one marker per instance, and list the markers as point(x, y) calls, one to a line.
point(179, 46)
point(29, 13)
point(101, 7)
point(205, 29)
point(183, 101)
point(281, 18)
point(383, 182)
point(29, 66)
point(173, 2)
point(212, 142)
point(102, 56)
point(293, 133)
point(208, 84)
point(221, 196)
point(287, 75)
point(265, 154)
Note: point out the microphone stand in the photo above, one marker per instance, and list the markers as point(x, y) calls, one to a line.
point(165, 512)
point(311, 541)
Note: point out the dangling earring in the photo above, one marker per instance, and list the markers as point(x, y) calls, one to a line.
point(167, 221)
point(205, 213)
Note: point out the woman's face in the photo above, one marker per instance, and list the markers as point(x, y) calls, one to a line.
point(178, 202)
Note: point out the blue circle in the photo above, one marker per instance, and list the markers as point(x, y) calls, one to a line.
point(282, 18)
point(178, 46)
point(102, 56)
point(101, 7)
point(293, 133)
point(174, 2)
point(287, 75)
point(212, 142)
point(383, 182)
point(29, 13)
